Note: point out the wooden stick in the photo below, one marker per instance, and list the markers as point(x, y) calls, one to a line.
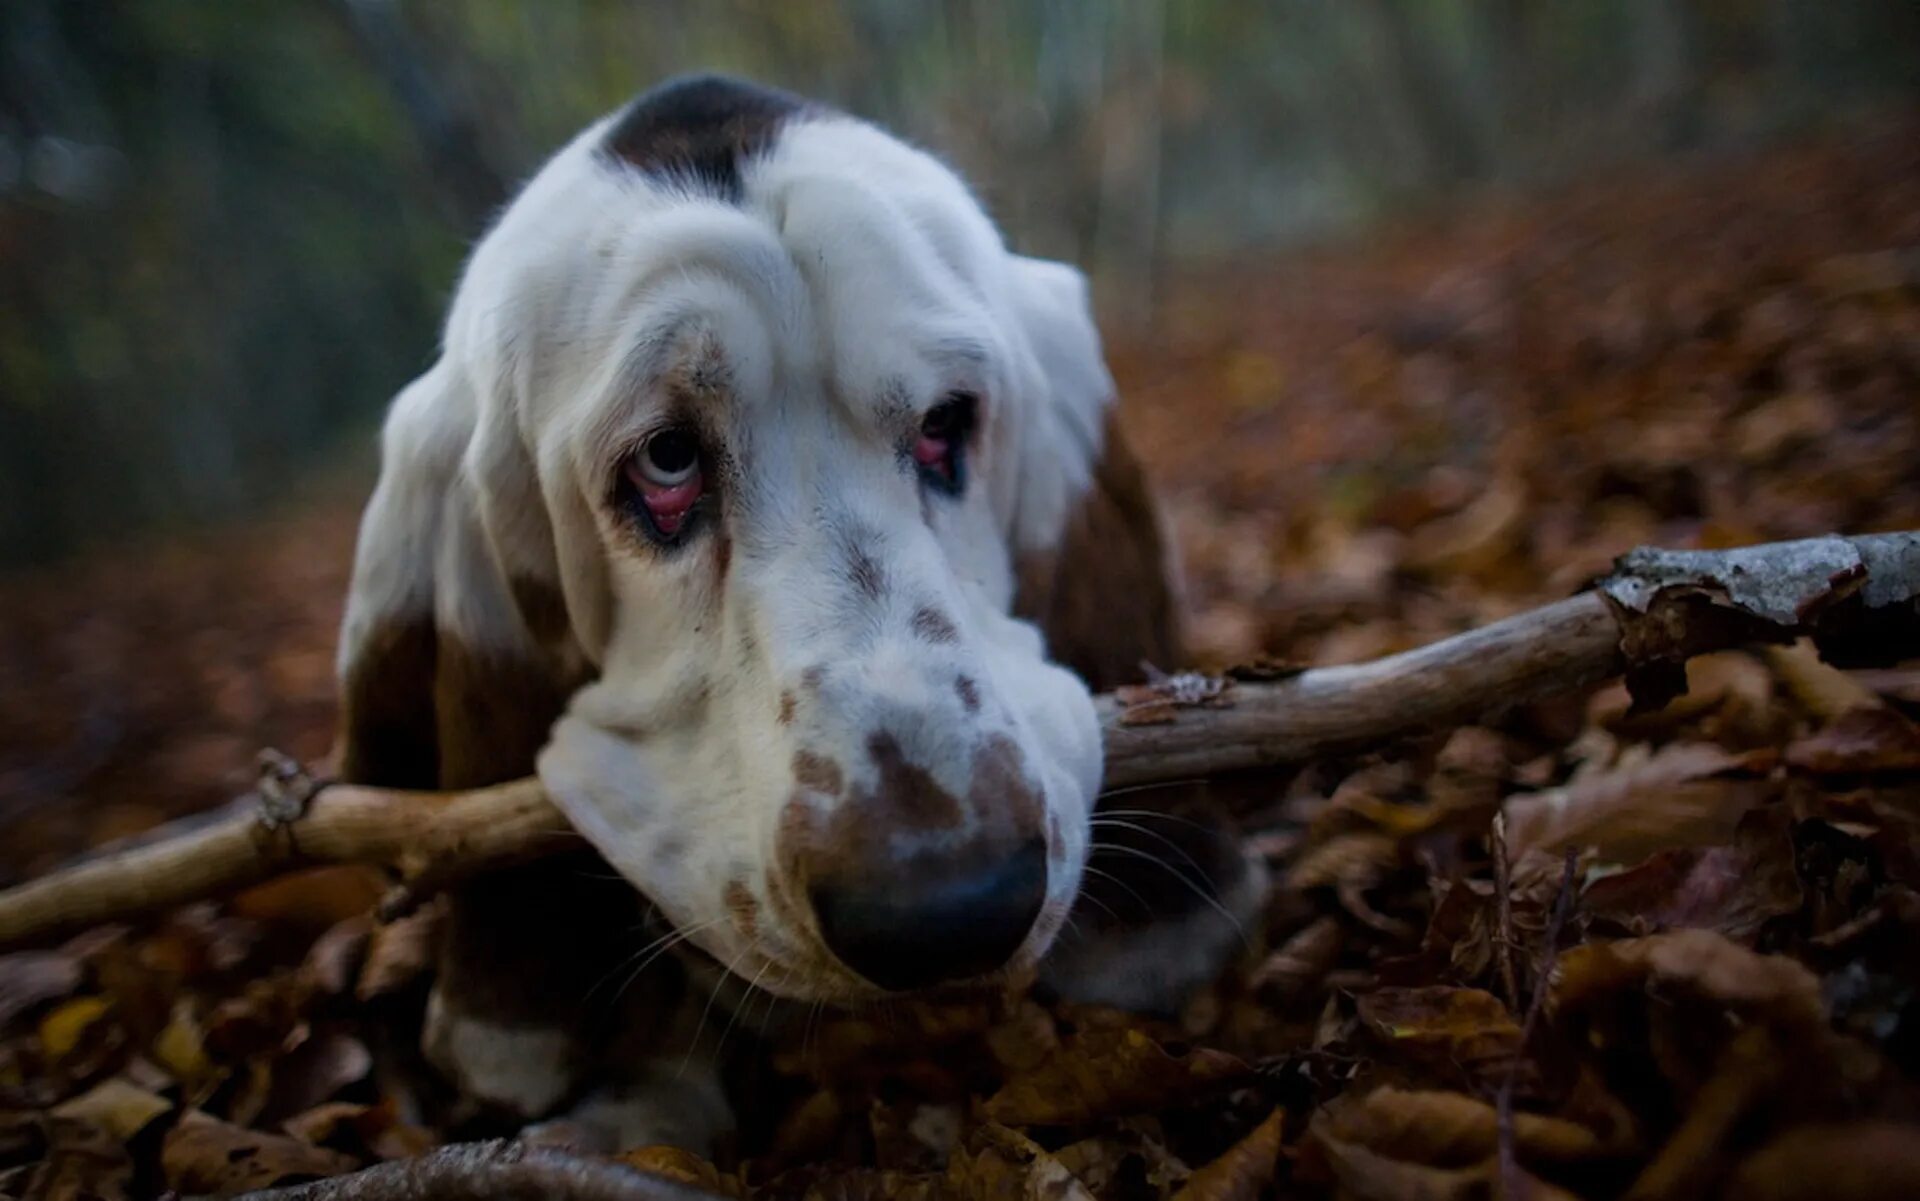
point(1656, 610)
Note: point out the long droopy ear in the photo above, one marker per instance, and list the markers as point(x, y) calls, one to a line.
point(451, 664)
point(1092, 563)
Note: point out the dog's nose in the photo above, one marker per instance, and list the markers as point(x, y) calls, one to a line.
point(930, 923)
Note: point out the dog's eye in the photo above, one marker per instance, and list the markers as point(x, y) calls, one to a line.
point(940, 449)
point(665, 471)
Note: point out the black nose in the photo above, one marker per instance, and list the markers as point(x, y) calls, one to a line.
point(928, 924)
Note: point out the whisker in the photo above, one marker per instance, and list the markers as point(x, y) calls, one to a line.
point(1211, 829)
point(1121, 823)
point(666, 942)
point(1145, 906)
point(694, 1043)
point(1198, 891)
point(741, 1008)
point(1130, 789)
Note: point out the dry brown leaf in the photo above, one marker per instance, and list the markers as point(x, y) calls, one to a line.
point(1734, 890)
point(77, 1161)
point(1822, 689)
point(1686, 794)
point(63, 1029)
point(675, 1163)
point(1453, 1130)
point(1003, 1163)
point(1750, 1066)
point(1364, 1174)
point(1301, 962)
point(333, 961)
point(116, 1106)
point(399, 953)
point(1863, 1161)
point(363, 1131)
point(1464, 1028)
point(205, 1155)
point(1860, 742)
point(1698, 962)
point(30, 979)
point(1108, 1073)
point(1244, 1171)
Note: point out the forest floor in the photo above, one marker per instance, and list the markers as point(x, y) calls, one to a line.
point(1363, 448)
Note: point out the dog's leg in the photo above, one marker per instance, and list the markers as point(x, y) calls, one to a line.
point(1169, 897)
point(523, 960)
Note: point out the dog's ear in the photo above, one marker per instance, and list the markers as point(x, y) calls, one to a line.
point(454, 654)
point(1091, 558)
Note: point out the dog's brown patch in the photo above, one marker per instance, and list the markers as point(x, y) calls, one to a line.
point(789, 703)
point(493, 713)
point(386, 708)
point(1101, 595)
point(969, 693)
point(934, 626)
point(812, 678)
point(906, 795)
point(543, 608)
point(700, 129)
point(999, 794)
point(743, 907)
point(817, 773)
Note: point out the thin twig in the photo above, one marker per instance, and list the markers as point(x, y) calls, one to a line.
point(1503, 906)
point(1513, 1185)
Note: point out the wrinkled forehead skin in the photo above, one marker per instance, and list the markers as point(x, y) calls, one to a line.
point(825, 678)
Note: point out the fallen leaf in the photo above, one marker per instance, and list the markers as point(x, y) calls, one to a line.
point(1301, 962)
point(1244, 1171)
point(399, 953)
point(1453, 1130)
point(206, 1155)
point(63, 1028)
point(1444, 1028)
point(1860, 742)
point(1748, 1068)
point(115, 1106)
point(674, 1163)
point(1862, 1161)
point(78, 1161)
point(317, 1070)
point(1000, 1162)
point(1686, 794)
point(1108, 1073)
point(1734, 890)
point(1697, 962)
point(1822, 689)
point(30, 979)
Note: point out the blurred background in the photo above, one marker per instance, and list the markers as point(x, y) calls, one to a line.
point(1422, 307)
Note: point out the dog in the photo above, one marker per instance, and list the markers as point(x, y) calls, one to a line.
point(774, 512)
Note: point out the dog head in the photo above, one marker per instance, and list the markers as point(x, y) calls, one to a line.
point(747, 439)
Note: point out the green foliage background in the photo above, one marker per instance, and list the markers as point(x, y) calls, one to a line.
point(228, 227)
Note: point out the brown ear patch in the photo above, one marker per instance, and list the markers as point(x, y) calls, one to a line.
point(1101, 594)
point(494, 712)
point(817, 773)
point(387, 731)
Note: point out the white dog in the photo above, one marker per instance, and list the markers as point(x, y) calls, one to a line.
point(757, 499)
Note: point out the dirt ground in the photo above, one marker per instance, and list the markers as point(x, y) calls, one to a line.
point(1362, 448)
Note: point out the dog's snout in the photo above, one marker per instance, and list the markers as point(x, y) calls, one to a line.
point(925, 922)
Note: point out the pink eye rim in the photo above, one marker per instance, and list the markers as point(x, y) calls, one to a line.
point(940, 445)
point(663, 482)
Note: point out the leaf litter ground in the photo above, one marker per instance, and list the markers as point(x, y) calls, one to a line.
point(1685, 962)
